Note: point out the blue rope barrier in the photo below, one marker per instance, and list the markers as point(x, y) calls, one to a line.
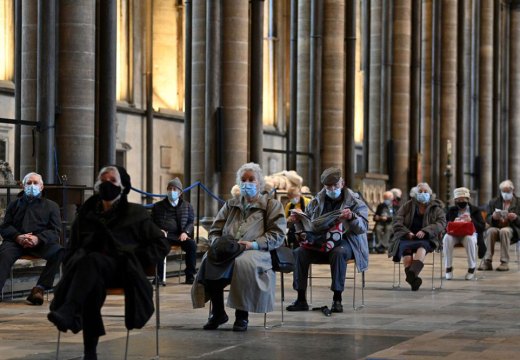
point(197, 183)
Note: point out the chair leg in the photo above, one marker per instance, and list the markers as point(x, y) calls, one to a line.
point(310, 282)
point(157, 314)
point(58, 345)
point(398, 284)
point(127, 340)
point(282, 292)
point(12, 292)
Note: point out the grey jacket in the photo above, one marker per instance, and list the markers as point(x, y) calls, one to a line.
point(356, 228)
point(434, 223)
point(253, 281)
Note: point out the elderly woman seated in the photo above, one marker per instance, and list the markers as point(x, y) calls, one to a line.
point(417, 227)
point(244, 231)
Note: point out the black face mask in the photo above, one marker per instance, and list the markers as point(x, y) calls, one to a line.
point(109, 191)
point(462, 205)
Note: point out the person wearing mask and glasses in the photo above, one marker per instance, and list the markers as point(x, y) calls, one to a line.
point(503, 217)
point(417, 227)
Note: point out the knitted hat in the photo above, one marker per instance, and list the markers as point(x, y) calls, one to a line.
point(461, 192)
point(176, 182)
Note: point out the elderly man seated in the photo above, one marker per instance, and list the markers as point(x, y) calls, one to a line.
point(346, 239)
point(32, 226)
point(383, 217)
point(503, 218)
point(465, 224)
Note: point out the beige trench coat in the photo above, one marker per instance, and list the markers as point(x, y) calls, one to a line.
point(253, 282)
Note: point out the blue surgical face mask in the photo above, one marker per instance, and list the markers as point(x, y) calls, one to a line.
point(248, 189)
point(333, 194)
point(295, 201)
point(32, 190)
point(507, 196)
point(388, 202)
point(423, 198)
point(173, 195)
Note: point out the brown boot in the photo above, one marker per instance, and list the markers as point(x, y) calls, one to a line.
point(36, 296)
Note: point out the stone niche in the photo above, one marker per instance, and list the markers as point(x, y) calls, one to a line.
point(371, 186)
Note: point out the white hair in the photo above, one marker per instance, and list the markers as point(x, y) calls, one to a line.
point(258, 174)
point(26, 177)
point(506, 183)
point(413, 192)
point(104, 171)
point(425, 186)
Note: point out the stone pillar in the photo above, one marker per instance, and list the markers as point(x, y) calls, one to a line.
point(375, 140)
point(448, 98)
point(426, 91)
point(76, 91)
point(486, 101)
point(198, 90)
point(514, 129)
point(29, 58)
point(304, 26)
point(333, 84)
point(400, 106)
point(234, 90)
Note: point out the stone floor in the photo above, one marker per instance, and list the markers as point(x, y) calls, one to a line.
point(462, 320)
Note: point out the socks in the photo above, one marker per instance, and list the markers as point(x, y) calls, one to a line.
point(337, 296)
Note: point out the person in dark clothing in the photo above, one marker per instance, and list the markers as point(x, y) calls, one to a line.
point(383, 217)
point(175, 217)
point(112, 243)
point(32, 226)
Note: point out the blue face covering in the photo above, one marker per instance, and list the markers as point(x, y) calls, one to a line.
point(388, 202)
point(333, 194)
point(173, 195)
point(248, 189)
point(32, 190)
point(423, 198)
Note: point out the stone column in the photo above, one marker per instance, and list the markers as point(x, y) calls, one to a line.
point(486, 101)
point(333, 84)
point(76, 91)
point(234, 90)
point(29, 58)
point(514, 66)
point(400, 106)
point(426, 90)
point(375, 140)
point(198, 90)
point(304, 26)
point(448, 98)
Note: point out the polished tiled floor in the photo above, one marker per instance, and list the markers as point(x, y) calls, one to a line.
point(463, 320)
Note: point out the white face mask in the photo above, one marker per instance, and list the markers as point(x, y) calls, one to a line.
point(507, 196)
point(295, 201)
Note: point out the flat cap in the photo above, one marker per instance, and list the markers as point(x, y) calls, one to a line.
point(330, 176)
point(176, 182)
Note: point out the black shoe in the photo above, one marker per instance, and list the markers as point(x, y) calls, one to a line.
point(240, 325)
point(416, 284)
point(36, 296)
point(215, 321)
point(336, 307)
point(189, 280)
point(64, 323)
point(298, 305)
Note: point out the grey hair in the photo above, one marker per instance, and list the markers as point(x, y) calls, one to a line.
point(413, 192)
point(26, 177)
point(425, 186)
point(259, 174)
point(104, 171)
point(506, 183)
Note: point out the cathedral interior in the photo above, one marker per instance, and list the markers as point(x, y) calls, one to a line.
point(393, 92)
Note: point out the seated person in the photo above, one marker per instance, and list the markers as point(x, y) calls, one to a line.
point(247, 228)
point(296, 201)
point(504, 224)
point(112, 243)
point(32, 226)
point(175, 217)
point(465, 212)
point(383, 218)
point(417, 227)
point(351, 244)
